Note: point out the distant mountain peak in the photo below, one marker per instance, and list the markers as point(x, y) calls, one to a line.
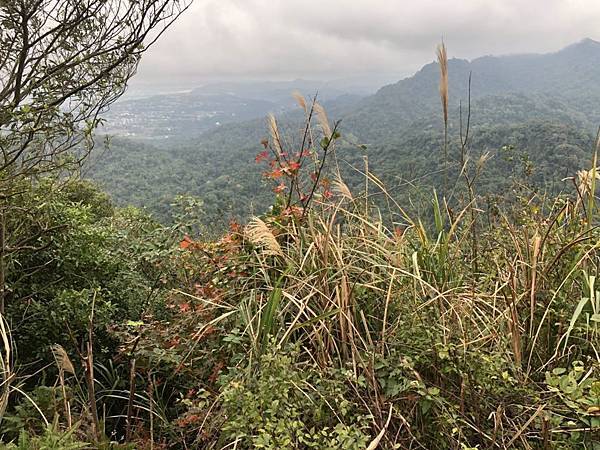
point(586, 44)
point(588, 41)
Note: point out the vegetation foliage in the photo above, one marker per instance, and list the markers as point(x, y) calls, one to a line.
point(343, 317)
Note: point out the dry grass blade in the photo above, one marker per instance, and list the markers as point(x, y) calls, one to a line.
point(375, 442)
point(534, 263)
point(525, 425)
point(322, 118)
point(274, 131)
point(341, 188)
point(62, 359)
point(260, 235)
point(6, 366)
point(64, 365)
point(585, 179)
point(300, 100)
point(443, 62)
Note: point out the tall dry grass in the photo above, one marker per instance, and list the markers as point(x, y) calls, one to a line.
point(468, 317)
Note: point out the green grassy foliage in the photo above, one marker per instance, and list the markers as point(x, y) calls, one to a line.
point(348, 316)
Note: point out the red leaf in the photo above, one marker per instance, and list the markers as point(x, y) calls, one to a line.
point(293, 211)
point(235, 227)
point(277, 173)
point(186, 242)
point(398, 232)
point(261, 156)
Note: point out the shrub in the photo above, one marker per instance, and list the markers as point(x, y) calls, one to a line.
point(280, 404)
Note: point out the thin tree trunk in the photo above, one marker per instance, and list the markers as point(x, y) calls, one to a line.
point(89, 363)
point(130, 400)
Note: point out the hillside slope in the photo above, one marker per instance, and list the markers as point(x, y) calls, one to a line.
point(544, 106)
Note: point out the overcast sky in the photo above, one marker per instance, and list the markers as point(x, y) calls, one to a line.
point(285, 39)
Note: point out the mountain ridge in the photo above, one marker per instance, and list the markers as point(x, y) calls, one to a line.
point(515, 99)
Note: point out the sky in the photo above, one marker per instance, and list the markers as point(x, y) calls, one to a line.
point(328, 39)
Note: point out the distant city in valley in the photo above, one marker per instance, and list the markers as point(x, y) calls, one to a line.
point(163, 112)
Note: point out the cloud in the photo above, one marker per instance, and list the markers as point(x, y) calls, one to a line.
point(326, 38)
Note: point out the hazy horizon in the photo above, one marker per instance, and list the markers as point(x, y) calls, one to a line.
point(143, 86)
point(169, 85)
point(234, 40)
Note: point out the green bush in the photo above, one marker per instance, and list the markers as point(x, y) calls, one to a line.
point(72, 250)
point(282, 405)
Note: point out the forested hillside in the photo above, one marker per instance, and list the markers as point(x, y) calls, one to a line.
point(540, 116)
point(229, 183)
point(567, 77)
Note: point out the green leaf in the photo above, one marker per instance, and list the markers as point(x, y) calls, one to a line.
point(575, 317)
